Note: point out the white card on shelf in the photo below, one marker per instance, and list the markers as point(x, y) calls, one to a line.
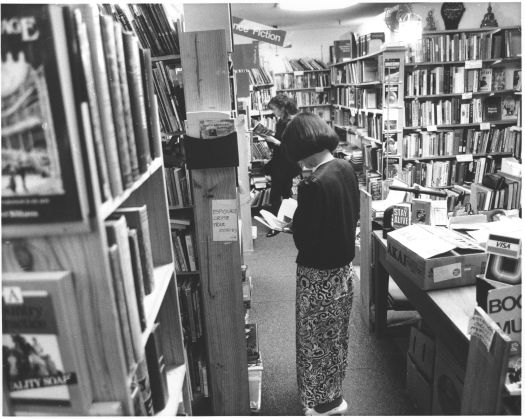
point(464, 157)
point(466, 95)
point(298, 73)
point(484, 126)
point(432, 128)
point(319, 89)
point(473, 64)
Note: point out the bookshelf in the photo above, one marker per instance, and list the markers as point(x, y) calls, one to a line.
point(309, 88)
point(462, 107)
point(88, 256)
point(367, 101)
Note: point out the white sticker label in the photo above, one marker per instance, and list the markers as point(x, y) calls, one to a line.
point(432, 128)
point(484, 331)
point(464, 157)
point(466, 95)
point(224, 219)
point(473, 64)
point(484, 126)
point(12, 295)
point(319, 89)
point(298, 73)
point(444, 273)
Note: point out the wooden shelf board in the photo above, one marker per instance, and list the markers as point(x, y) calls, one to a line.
point(440, 63)
point(470, 125)
point(499, 154)
point(108, 207)
point(487, 29)
point(302, 88)
point(315, 106)
point(362, 84)
point(178, 207)
point(187, 273)
point(171, 57)
point(153, 301)
point(172, 133)
point(353, 60)
point(261, 86)
point(490, 93)
point(39, 230)
point(304, 71)
point(176, 375)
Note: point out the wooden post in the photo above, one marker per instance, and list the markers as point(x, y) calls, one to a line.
point(366, 255)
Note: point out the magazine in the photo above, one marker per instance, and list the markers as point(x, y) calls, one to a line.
point(283, 221)
point(213, 128)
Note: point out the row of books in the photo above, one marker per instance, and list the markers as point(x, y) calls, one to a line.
point(303, 81)
point(343, 117)
point(500, 43)
point(152, 26)
point(259, 75)
point(167, 78)
point(507, 196)
point(260, 200)
point(260, 150)
point(183, 238)
point(309, 98)
point(356, 72)
point(356, 46)
point(460, 141)
point(129, 247)
point(191, 311)
point(303, 64)
point(178, 185)
point(260, 98)
point(457, 111)
point(436, 174)
point(457, 79)
point(370, 98)
point(198, 370)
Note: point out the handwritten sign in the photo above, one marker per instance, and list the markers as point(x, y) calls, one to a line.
point(432, 128)
point(466, 95)
point(483, 330)
point(224, 220)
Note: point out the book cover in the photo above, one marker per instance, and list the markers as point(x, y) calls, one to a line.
point(259, 129)
point(90, 16)
point(401, 215)
point(492, 108)
point(391, 67)
point(392, 95)
point(41, 157)
point(509, 108)
point(498, 79)
point(137, 218)
point(191, 250)
point(485, 79)
point(516, 80)
point(421, 210)
point(44, 358)
point(110, 54)
point(213, 128)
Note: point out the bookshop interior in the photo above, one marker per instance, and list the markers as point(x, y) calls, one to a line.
point(273, 209)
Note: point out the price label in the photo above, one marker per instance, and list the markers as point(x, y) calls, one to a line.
point(473, 64)
point(432, 128)
point(484, 126)
point(319, 89)
point(298, 73)
point(466, 95)
point(464, 157)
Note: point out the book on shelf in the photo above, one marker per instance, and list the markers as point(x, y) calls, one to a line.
point(485, 79)
point(392, 70)
point(157, 370)
point(142, 378)
point(117, 233)
point(149, 102)
point(137, 218)
point(138, 276)
point(167, 87)
point(41, 150)
point(516, 80)
point(344, 49)
point(189, 296)
point(509, 107)
point(183, 237)
point(44, 358)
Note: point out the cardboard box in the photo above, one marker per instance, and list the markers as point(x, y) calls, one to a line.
point(449, 377)
point(419, 389)
point(422, 351)
point(435, 257)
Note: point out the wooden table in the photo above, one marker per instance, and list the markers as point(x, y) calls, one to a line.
point(446, 312)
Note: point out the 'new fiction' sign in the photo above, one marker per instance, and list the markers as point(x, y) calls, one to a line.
point(258, 31)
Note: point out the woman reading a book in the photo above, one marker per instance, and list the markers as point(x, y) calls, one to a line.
point(323, 227)
point(280, 168)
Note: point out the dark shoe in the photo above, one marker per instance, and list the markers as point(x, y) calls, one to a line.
point(338, 410)
point(272, 233)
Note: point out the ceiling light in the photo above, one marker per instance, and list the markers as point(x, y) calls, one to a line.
point(309, 5)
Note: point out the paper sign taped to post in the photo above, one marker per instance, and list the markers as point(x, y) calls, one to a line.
point(483, 330)
point(224, 220)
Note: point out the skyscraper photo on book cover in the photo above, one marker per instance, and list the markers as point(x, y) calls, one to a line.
point(38, 169)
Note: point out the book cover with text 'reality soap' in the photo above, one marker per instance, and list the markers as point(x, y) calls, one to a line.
point(41, 158)
point(41, 345)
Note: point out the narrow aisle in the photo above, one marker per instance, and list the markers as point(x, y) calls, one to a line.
point(375, 379)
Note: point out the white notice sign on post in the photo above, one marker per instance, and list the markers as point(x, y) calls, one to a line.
point(224, 220)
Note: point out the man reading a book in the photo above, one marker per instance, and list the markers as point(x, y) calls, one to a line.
point(324, 225)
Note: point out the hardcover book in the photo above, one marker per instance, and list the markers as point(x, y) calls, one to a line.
point(492, 108)
point(421, 210)
point(43, 355)
point(485, 79)
point(41, 157)
point(401, 215)
point(498, 79)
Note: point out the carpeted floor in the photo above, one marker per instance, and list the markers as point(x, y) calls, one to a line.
point(375, 380)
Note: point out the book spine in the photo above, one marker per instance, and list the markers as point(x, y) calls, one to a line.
point(110, 53)
point(126, 103)
point(137, 275)
point(136, 90)
point(149, 98)
point(90, 16)
point(145, 386)
point(191, 252)
point(157, 371)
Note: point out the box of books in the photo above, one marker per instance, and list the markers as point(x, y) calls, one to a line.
point(418, 387)
point(435, 257)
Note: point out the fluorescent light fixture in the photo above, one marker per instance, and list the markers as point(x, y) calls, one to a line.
point(310, 5)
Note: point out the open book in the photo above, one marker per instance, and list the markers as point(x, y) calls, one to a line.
point(260, 129)
point(283, 221)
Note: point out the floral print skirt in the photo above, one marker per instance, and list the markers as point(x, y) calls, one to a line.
point(323, 304)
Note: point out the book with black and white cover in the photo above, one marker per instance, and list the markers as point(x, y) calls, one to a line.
point(283, 221)
point(44, 358)
point(91, 18)
point(42, 170)
point(485, 79)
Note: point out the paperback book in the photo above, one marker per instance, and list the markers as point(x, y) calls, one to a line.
point(284, 218)
point(260, 129)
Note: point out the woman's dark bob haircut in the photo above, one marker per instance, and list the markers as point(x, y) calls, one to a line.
point(287, 104)
point(307, 134)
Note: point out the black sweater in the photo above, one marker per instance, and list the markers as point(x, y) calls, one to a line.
point(326, 216)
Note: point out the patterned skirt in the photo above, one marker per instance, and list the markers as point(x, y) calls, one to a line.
point(323, 305)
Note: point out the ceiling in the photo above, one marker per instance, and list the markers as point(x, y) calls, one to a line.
point(270, 14)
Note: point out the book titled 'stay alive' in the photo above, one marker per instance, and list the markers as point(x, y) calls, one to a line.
point(39, 132)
